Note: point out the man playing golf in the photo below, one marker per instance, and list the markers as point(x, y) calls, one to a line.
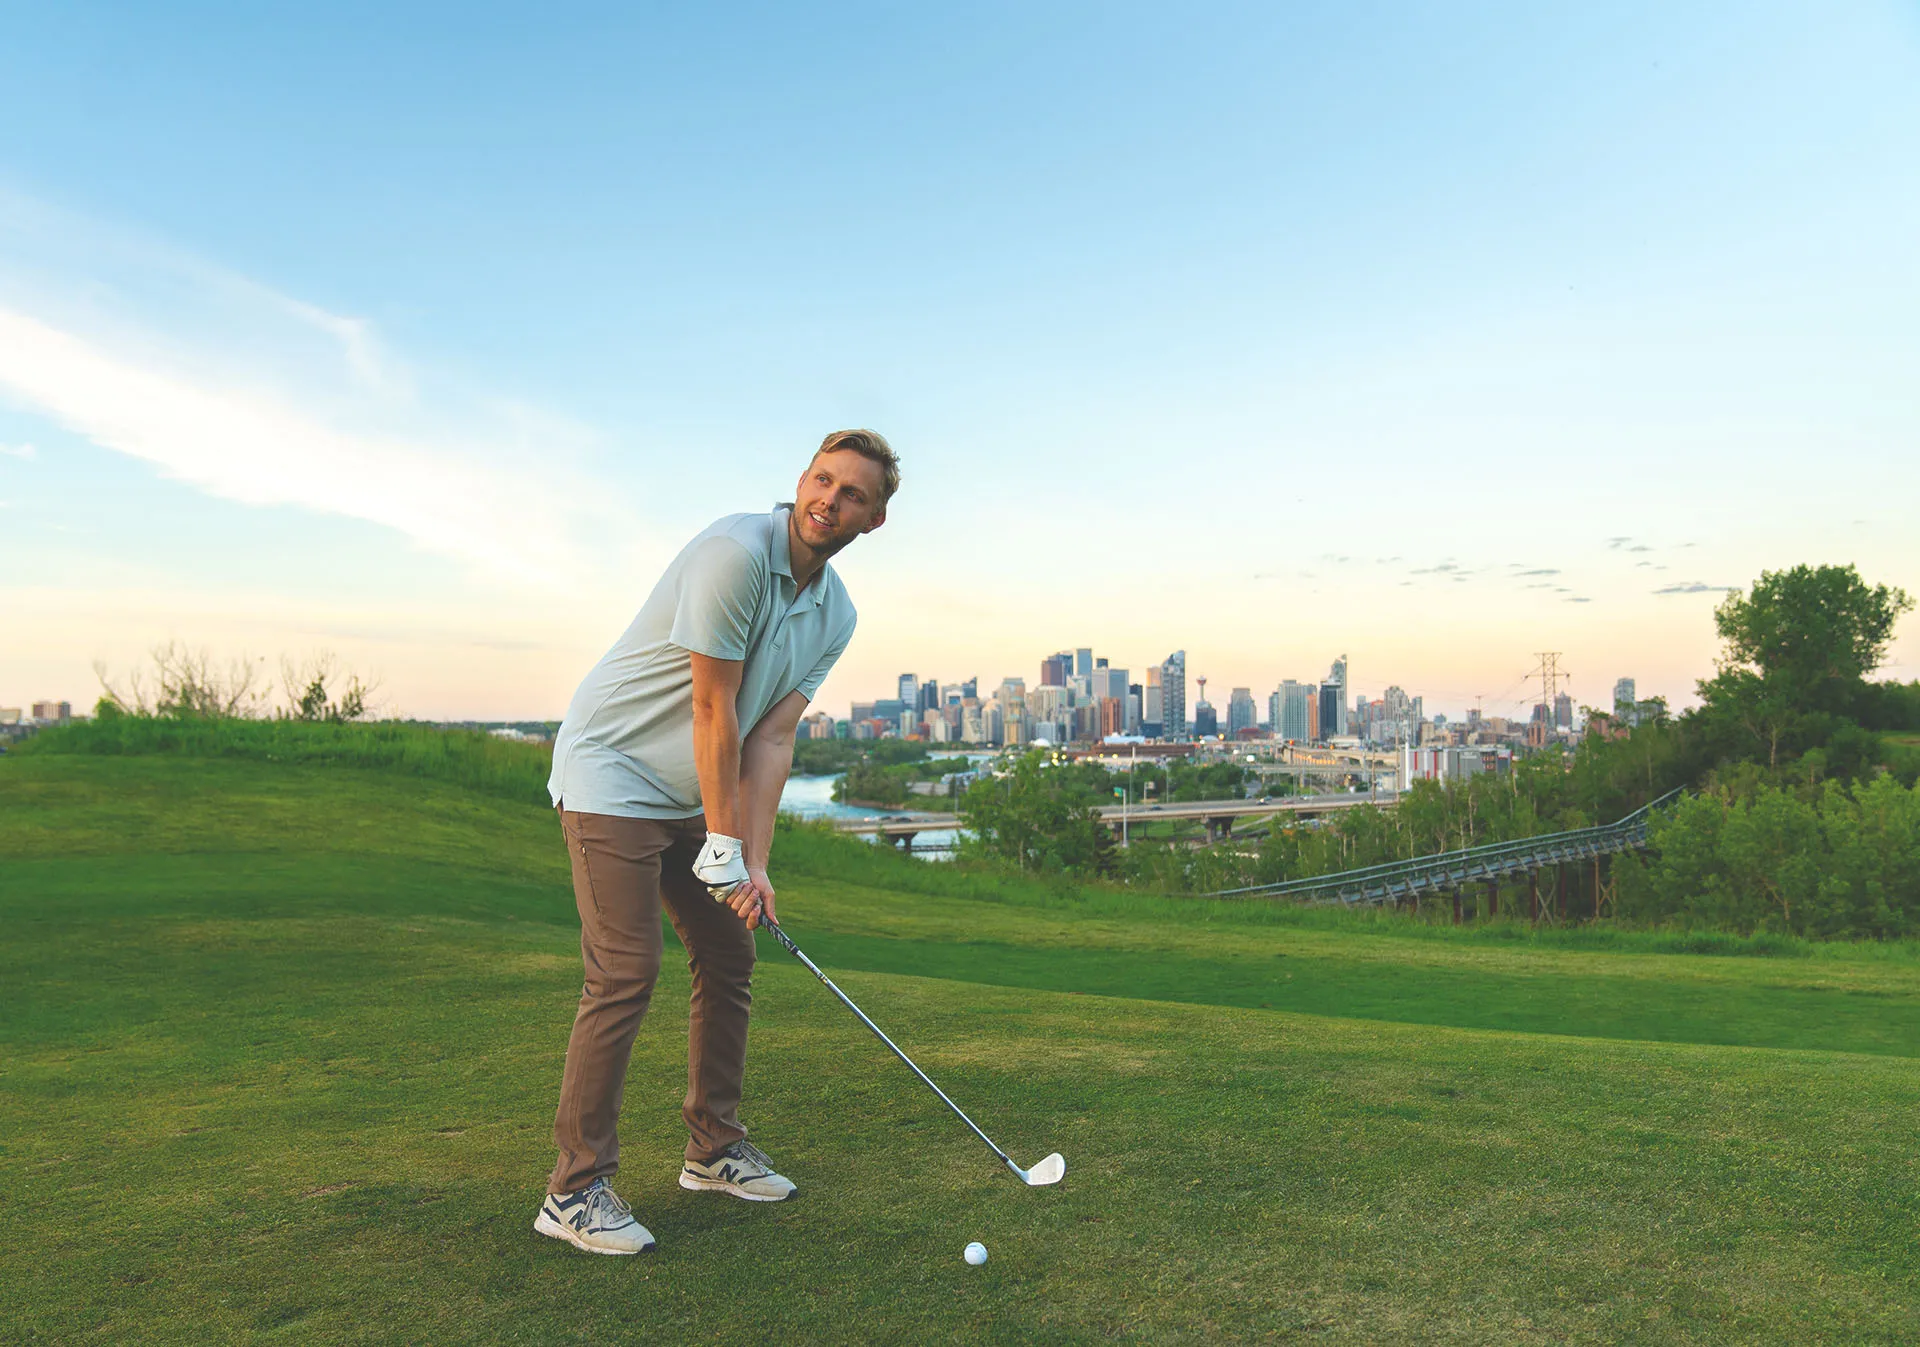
point(667, 773)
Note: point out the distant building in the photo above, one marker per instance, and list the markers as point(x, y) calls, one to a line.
point(1150, 716)
point(1205, 723)
point(53, 713)
point(1333, 713)
point(970, 688)
point(1335, 724)
point(973, 725)
point(9, 715)
point(1173, 696)
point(1626, 703)
point(909, 690)
point(1242, 714)
point(1083, 662)
point(1053, 672)
point(1563, 712)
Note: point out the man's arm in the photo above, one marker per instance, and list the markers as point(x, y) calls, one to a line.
point(716, 740)
point(766, 756)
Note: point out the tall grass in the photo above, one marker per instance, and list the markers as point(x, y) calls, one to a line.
point(510, 769)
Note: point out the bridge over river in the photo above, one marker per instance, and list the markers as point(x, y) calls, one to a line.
point(1219, 815)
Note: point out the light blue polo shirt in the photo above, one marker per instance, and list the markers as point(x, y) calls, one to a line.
point(626, 745)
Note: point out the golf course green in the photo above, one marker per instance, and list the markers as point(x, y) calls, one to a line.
point(279, 1047)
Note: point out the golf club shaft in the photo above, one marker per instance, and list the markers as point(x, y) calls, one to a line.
point(786, 943)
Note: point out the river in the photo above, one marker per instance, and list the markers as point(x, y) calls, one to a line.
point(812, 797)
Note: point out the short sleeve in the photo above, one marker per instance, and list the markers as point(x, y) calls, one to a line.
point(719, 591)
point(824, 665)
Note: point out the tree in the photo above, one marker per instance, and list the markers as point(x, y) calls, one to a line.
point(309, 697)
point(187, 684)
point(1797, 653)
point(1040, 817)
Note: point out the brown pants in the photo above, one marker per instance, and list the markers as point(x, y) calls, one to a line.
point(623, 868)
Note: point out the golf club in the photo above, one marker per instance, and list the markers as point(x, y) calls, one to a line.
point(1050, 1170)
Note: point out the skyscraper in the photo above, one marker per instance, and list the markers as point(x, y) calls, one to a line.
point(1295, 721)
point(1083, 662)
point(1625, 697)
point(1242, 714)
point(1332, 711)
point(1173, 696)
point(909, 689)
point(1053, 672)
point(1151, 724)
point(1336, 724)
point(1563, 712)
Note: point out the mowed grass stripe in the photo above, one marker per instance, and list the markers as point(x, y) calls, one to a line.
point(1755, 1003)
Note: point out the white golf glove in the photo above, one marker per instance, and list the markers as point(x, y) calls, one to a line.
point(721, 865)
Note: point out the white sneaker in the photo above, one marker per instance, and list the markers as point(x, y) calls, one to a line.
point(742, 1169)
point(594, 1219)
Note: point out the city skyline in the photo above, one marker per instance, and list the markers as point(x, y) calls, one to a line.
point(1269, 334)
point(1079, 682)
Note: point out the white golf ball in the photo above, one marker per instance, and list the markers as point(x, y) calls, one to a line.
point(976, 1253)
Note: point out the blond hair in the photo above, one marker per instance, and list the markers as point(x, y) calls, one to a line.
point(869, 444)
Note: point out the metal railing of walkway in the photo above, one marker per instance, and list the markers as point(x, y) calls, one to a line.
point(1453, 870)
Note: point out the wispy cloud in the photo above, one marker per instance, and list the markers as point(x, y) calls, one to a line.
point(1544, 570)
point(1695, 587)
point(1577, 600)
point(25, 451)
point(265, 399)
point(1443, 568)
point(258, 449)
point(1619, 542)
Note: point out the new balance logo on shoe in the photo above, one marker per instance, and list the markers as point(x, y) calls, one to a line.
point(743, 1170)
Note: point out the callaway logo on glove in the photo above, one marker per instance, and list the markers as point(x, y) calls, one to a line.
point(722, 866)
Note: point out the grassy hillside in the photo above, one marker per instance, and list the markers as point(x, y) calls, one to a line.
point(278, 1049)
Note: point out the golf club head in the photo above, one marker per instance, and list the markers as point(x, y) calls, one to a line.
point(1050, 1170)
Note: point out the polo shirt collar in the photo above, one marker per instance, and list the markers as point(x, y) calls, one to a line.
point(783, 560)
point(782, 543)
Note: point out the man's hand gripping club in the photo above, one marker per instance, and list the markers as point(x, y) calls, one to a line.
point(723, 868)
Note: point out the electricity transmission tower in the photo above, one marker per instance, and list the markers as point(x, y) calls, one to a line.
point(1551, 675)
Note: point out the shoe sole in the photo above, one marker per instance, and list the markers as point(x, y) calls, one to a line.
point(694, 1183)
point(546, 1225)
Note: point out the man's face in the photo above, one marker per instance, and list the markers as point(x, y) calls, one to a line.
point(838, 499)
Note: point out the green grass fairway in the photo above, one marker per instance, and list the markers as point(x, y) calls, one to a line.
point(279, 1046)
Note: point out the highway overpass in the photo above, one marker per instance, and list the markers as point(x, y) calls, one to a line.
point(1219, 815)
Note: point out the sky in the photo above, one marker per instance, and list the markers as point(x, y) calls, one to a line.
point(1432, 335)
